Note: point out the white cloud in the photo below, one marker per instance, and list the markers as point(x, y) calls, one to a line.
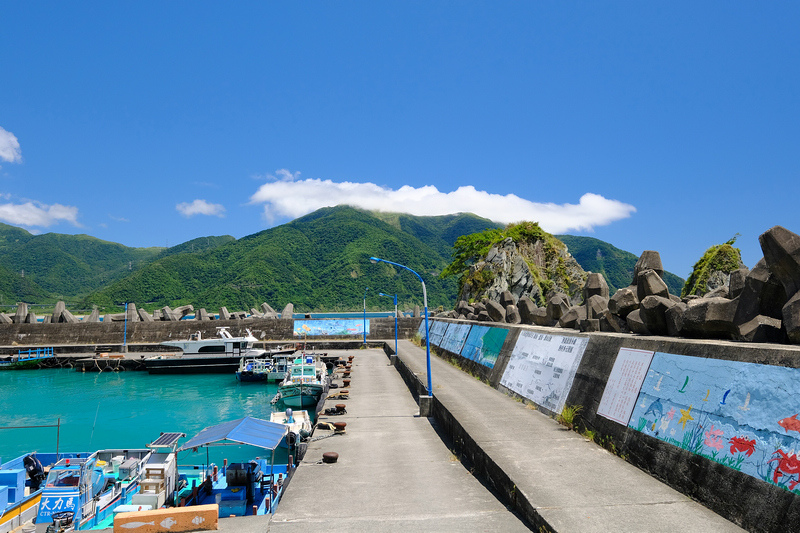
point(200, 207)
point(9, 147)
point(288, 196)
point(38, 214)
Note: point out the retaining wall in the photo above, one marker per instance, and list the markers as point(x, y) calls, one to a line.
point(720, 425)
point(112, 334)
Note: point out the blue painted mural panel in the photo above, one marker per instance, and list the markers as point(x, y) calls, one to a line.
point(741, 415)
point(438, 329)
point(455, 337)
point(483, 344)
point(329, 327)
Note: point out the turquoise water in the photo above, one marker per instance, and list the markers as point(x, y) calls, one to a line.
point(118, 410)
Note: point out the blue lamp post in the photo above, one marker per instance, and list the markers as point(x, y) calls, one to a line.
point(395, 319)
point(365, 315)
point(425, 303)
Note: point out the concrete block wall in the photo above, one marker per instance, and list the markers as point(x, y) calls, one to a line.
point(748, 501)
point(114, 333)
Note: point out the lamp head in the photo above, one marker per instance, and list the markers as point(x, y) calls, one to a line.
point(373, 260)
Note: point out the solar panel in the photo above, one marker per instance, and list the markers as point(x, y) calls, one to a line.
point(166, 440)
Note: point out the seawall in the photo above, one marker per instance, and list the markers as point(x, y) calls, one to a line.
point(114, 335)
point(730, 445)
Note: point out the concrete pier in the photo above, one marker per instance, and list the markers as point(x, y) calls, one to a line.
point(396, 473)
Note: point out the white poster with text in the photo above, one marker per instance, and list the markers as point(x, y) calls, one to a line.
point(624, 384)
point(543, 366)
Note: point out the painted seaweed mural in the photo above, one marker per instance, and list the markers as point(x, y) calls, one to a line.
point(741, 415)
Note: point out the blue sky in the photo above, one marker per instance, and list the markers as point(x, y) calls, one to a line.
point(653, 126)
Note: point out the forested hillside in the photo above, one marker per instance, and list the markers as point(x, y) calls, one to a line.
point(616, 265)
point(317, 262)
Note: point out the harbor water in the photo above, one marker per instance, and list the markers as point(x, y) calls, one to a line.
point(119, 409)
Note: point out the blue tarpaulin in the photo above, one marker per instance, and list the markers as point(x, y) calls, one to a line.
point(248, 430)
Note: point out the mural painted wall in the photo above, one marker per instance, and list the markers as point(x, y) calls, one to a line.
point(542, 367)
point(483, 344)
point(741, 415)
point(437, 330)
point(329, 327)
point(455, 337)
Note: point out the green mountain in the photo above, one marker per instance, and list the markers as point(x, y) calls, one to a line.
point(56, 266)
point(317, 262)
point(616, 265)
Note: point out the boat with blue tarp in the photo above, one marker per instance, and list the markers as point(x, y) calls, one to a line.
point(251, 485)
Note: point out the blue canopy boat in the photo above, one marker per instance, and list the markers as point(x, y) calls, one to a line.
point(240, 488)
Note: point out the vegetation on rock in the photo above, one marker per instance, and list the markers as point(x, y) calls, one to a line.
point(543, 254)
point(719, 258)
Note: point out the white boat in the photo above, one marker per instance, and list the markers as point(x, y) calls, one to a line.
point(223, 344)
point(298, 422)
point(254, 369)
point(280, 366)
point(219, 354)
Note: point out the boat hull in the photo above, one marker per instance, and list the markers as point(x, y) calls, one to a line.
point(302, 396)
point(251, 377)
point(223, 364)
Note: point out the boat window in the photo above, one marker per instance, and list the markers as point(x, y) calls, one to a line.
point(308, 371)
point(211, 349)
point(63, 478)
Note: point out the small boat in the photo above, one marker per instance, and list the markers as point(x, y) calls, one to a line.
point(254, 369)
point(26, 360)
point(305, 383)
point(280, 366)
point(250, 487)
point(298, 422)
point(20, 490)
point(219, 354)
point(82, 492)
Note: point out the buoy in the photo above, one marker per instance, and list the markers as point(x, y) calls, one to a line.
point(330, 457)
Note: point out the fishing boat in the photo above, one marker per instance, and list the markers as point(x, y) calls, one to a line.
point(219, 354)
point(26, 360)
point(252, 486)
point(280, 366)
point(254, 369)
point(20, 491)
point(82, 492)
point(305, 383)
point(298, 422)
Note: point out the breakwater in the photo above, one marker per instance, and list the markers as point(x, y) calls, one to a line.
point(116, 336)
point(713, 419)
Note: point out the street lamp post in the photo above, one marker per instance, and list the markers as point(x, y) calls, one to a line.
point(365, 315)
point(395, 319)
point(425, 303)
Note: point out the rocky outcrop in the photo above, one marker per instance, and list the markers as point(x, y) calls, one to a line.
point(758, 305)
point(506, 273)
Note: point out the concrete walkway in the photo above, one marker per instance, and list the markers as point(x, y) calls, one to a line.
point(393, 473)
point(574, 485)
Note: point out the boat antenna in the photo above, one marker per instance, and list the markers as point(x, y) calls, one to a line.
point(95, 423)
